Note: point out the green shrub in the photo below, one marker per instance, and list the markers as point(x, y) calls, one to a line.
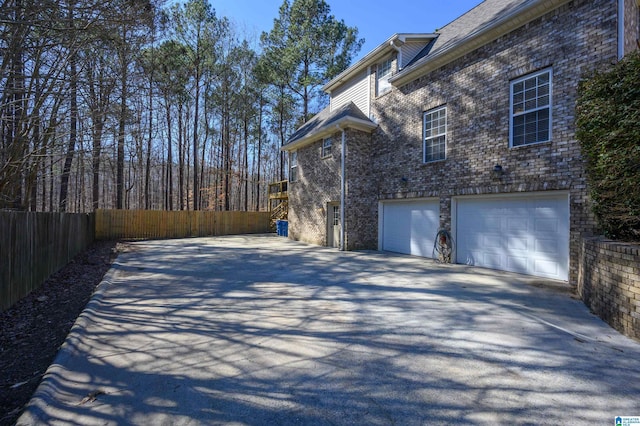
point(608, 128)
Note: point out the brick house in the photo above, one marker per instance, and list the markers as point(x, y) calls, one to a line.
point(469, 129)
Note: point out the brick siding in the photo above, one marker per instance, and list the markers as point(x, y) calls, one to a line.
point(576, 38)
point(317, 184)
point(572, 40)
point(631, 25)
point(361, 200)
point(609, 282)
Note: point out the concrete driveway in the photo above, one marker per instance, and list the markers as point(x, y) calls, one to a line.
point(254, 330)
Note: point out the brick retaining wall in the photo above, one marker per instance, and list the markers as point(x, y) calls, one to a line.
point(609, 282)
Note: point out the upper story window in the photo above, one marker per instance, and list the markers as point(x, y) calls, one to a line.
point(293, 166)
point(383, 75)
point(435, 134)
point(326, 147)
point(531, 109)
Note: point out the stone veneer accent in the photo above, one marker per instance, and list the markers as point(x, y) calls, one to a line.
point(609, 282)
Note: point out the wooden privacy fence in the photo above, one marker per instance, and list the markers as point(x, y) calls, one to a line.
point(156, 224)
point(35, 245)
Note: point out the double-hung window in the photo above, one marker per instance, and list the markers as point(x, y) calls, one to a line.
point(326, 147)
point(531, 109)
point(435, 134)
point(293, 166)
point(383, 75)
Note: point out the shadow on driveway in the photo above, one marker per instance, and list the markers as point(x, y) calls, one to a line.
point(255, 330)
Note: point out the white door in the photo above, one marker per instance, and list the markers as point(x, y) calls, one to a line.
point(409, 226)
point(333, 225)
point(526, 233)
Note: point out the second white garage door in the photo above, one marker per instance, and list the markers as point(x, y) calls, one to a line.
point(526, 233)
point(409, 227)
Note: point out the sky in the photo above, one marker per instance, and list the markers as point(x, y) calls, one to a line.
point(376, 20)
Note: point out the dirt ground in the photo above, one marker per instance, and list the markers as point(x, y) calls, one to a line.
point(32, 330)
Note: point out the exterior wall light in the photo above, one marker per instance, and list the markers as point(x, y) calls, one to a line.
point(498, 171)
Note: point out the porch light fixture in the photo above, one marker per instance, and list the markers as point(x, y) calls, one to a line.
point(498, 171)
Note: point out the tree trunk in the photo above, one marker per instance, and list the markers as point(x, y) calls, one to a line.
point(259, 153)
point(14, 143)
point(196, 187)
point(227, 157)
point(180, 159)
point(96, 153)
point(73, 124)
point(120, 146)
point(169, 181)
point(147, 176)
point(246, 162)
point(121, 122)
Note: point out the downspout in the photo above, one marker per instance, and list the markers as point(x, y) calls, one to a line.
point(342, 189)
point(620, 29)
point(392, 43)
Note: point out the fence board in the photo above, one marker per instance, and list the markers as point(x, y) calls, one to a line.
point(156, 224)
point(35, 245)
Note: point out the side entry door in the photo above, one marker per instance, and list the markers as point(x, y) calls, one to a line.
point(333, 225)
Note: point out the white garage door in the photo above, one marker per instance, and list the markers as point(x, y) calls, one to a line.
point(527, 233)
point(410, 226)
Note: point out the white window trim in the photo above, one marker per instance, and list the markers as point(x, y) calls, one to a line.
point(385, 77)
point(323, 150)
point(424, 133)
point(293, 166)
point(550, 107)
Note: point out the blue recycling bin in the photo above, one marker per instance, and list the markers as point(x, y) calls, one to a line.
point(282, 228)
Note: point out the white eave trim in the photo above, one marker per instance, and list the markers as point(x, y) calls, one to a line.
point(329, 129)
point(374, 56)
point(518, 17)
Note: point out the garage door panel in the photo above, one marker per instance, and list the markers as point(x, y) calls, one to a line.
point(493, 260)
point(410, 227)
point(517, 263)
point(516, 224)
point(546, 225)
point(546, 267)
point(493, 222)
point(518, 244)
point(492, 241)
point(526, 234)
point(546, 245)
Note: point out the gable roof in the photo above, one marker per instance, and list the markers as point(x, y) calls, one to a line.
point(484, 23)
point(481, 25)
point(328, 122)
point(392, 44)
